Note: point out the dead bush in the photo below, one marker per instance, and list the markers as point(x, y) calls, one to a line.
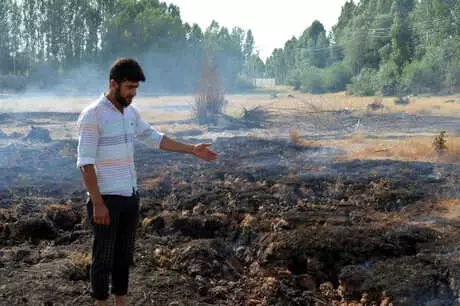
point(258, 115)
point(324, 116)
point(294, 136)
point(209, 99)
point(440, 143)
point(402, 101)
point(376, 105)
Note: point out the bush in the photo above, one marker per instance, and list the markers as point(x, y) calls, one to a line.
point(295, 80)
point(312, 80)
point(440, 143)
point(364, 84)
point(452, 78)
point(388, 79)
point(424, 76)
point(337, 76)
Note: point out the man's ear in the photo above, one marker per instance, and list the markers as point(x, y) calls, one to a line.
point(113, 84)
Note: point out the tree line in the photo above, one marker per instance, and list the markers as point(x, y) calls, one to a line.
point(383, 47)
point(43, 43)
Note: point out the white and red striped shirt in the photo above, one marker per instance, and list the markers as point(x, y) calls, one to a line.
point(106, 140)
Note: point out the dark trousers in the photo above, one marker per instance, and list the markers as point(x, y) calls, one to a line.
point(113, 245)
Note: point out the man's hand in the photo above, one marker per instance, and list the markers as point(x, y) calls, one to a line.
point(100, 212)
point(203, 152)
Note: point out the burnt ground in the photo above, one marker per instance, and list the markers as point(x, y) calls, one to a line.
point(270, 223)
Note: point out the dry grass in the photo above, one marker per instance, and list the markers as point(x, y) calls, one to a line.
point(161, 112)
point(162, 257)
point(146, 222)
point(419, 148)
point(248, 222)
point(451, 208)
point(442, 105)
point(77, 267)
point(80, 259)
point(57, 208)
point(152, 183)
point(294, 137)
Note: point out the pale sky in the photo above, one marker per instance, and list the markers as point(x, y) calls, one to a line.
point(272, 22)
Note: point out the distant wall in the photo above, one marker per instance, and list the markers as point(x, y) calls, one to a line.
point(263, 82)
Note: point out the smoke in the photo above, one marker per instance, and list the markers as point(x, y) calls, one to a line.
point(47, 81)
point(176, 72)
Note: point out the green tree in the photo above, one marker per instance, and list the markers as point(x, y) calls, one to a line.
point(5, 7)
point(248, 47)
point(255, 67)
point(401, 34)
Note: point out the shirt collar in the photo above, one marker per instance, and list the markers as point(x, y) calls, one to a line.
point(104, 101)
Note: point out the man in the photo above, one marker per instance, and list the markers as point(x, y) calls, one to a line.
point(106, 131)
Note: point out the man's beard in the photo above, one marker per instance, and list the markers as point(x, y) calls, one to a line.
point(123, 101)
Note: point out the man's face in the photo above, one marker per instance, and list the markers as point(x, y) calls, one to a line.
point(125, 92)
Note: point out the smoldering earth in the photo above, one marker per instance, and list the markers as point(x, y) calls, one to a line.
point(270, 223)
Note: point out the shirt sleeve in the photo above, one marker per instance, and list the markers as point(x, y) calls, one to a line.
point(88, 138)
point(146, 133)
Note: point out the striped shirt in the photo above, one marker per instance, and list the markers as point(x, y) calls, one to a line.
point(106, 140)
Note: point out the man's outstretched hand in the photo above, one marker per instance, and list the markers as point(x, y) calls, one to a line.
point(203, 152)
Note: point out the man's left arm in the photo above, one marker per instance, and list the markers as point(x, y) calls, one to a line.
point(149, 135)
point(201, 150)
point(172, 145)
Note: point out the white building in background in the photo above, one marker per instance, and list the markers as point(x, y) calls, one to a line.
point(263, 82)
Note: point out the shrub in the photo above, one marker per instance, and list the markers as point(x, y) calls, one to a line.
point(423, 76)
point(312, 80)
point(336, 77)
point(364, 84)
point(388, 79)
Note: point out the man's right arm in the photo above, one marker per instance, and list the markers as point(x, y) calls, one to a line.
point(88, 139)
point(100, 211)
point(89, 177)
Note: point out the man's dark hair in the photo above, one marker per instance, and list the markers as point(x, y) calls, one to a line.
point(126, 69)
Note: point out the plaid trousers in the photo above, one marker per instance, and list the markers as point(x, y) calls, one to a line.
point(113, 245)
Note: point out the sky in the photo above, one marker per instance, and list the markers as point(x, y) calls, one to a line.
point(272, 22)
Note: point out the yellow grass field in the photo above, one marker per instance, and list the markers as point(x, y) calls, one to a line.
point(168, 112)
point(439, 105)
point(419, 148)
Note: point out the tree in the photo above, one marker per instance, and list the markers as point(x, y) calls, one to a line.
point(248, 47)
point(401, 34)
point(255, 67)
point(5, 7)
